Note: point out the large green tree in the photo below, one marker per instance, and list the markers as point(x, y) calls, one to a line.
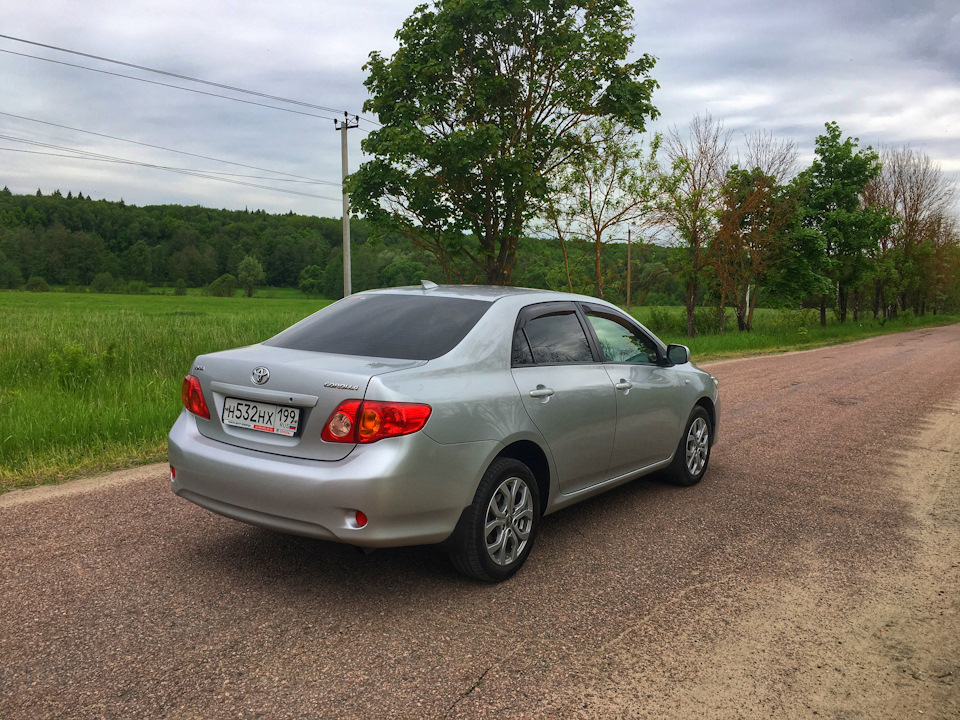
point(850, 230)
point(480, 104)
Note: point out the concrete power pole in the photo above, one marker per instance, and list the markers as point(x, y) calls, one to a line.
point(343, 127)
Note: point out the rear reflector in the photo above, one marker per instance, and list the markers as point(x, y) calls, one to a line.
point(356, 421)
point(361, 518)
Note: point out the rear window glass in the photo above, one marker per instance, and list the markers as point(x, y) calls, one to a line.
point(409, 327)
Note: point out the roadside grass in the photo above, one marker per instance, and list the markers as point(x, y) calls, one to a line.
point(91, 383)
point(775, 331)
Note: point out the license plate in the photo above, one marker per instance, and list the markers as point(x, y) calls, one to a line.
point(261, 416)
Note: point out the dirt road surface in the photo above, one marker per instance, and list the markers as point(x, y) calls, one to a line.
point(814, 573)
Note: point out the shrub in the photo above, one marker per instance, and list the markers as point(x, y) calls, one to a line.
point(75, 289)
point(709, 321)
point(180, 287)
point(74, 367)
point(793, 320)
point(311, 280)
point(37, 284)
point(664, 322)
point(223, 286)
point(137, 287)
point(103, 282)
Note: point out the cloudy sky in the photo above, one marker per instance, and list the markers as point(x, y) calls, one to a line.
point(888, 72)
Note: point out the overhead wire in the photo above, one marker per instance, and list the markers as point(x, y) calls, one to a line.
point(88, 155)
point(161, 167)
point(180, 152)
point(213, 175)
point(176, 75)
point(168, 85)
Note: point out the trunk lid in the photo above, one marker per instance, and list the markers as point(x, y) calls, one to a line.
point(312, 383)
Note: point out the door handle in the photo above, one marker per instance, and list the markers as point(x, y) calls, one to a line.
point(541, 392)
point(623, 385)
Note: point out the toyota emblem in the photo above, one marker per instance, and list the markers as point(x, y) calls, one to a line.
point(261, 375)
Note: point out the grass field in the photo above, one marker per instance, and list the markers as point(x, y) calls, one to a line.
point(91, 382)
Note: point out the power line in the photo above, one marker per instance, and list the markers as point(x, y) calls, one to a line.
point(175, 75)
point(168, 85)
point(87, 155)
point(180, 152)
point(161, 167)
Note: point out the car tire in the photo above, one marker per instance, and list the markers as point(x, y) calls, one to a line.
point(693, 453)
point(497, 531)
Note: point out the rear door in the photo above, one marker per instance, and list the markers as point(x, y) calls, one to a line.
point(647, 392)
point(566, 392)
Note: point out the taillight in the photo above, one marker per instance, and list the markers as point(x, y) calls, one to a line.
point(357, 421)
point(193, 399)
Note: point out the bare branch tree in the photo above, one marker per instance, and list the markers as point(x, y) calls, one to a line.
point(605, 191)
point(691, 192)
point(922, 198)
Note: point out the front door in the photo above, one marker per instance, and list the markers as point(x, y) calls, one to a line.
point(648, 411)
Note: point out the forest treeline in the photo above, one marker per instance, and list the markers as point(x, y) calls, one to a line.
point(72, 240)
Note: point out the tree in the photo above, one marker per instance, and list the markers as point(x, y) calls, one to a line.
point(756, 215)
point(921, 198)
point(610, 187)
point(691, 191)
point(850, 230)
point(250, 274)
point(480, 104)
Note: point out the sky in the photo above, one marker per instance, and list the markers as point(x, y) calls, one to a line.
point(888, 72)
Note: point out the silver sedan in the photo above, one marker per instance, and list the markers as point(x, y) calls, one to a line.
point(439, 414)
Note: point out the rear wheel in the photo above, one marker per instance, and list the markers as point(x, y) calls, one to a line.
point(499, 528)
point(693, 453)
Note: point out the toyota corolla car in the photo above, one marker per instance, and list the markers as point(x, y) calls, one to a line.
point(439, 414)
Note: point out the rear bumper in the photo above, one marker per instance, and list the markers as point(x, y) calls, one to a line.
point(412, 489)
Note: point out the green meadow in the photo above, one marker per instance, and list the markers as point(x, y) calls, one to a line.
point(90, 383)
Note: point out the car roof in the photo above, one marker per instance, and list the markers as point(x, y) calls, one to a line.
point(488, 293)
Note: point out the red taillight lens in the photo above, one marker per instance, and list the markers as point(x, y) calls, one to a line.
point(342, 424)
point(193, 399)
point(355, 421)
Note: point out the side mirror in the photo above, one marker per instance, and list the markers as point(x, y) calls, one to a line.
point(678, 354)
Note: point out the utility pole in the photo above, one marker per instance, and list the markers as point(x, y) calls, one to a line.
point(629, 269)
point(343, 127)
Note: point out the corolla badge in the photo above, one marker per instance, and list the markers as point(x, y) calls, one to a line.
point(260, 375)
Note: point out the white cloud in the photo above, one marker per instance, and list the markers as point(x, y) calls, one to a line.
point(886, 71)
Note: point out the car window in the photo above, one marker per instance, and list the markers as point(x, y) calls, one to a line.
point(408, 327)
point(555, 338)
point(621, 343)
point(521, 354)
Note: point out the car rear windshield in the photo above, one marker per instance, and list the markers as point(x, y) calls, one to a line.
point(410, 327)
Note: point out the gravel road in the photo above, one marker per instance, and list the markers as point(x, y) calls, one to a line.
point(813, 573)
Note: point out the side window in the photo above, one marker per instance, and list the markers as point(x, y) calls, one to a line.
point(621, 343)
point(521, 354)
point(556, 338)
